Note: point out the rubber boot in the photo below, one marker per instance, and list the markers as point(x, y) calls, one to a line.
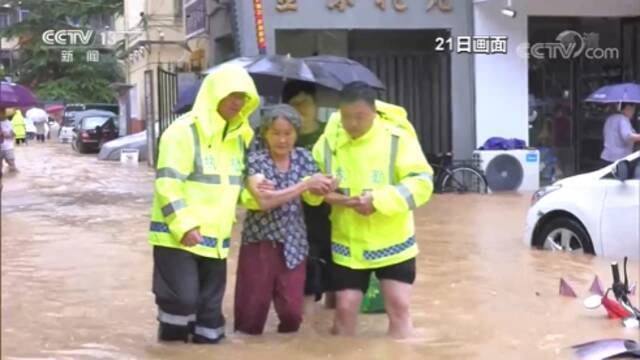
point(168, 332)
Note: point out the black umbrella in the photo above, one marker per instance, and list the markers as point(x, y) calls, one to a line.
point(335, 72)
point(271, 72)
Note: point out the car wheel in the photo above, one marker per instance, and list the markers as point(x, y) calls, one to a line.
point(564, 234)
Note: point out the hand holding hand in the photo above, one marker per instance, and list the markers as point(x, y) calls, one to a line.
point(364, 206)
point(320, 184)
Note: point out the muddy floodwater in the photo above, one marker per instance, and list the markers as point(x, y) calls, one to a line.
point(76, 275)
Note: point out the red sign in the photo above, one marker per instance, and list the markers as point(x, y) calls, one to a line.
point(262, 43)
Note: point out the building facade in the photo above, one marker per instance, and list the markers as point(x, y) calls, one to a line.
point(9, 46)
point(458, 99)
point(558, 53)
point(398, 40)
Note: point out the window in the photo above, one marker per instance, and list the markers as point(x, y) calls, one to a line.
point(24, 15)
point(90, 123)
point(101, 21)
point(5, 20)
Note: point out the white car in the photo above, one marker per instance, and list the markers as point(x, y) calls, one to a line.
point(595, 213)
point(66, 134)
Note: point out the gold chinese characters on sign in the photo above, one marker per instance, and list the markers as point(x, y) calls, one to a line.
point(398, 5)
point(443, 5)
point(287, 5)
point(340, 4)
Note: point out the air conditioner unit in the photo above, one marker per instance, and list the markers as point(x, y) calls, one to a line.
point(510, 170)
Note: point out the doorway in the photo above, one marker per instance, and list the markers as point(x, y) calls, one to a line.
point(416, 76)
point(568, 130)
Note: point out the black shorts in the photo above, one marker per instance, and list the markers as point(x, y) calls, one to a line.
point(343, 278)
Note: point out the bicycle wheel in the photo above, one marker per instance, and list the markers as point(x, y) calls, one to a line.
point(463, 179)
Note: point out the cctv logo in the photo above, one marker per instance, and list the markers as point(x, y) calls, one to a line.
point(68, 37)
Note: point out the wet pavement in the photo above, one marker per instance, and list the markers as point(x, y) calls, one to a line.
point(76, 274)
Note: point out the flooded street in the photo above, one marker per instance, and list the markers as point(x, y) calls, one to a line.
point(76, 275)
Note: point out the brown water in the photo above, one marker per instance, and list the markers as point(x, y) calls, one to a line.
point(76, 272)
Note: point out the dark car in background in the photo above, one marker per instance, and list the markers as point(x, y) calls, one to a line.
point(93, 128)
point(69, 117)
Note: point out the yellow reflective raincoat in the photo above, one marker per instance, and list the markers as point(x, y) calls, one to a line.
point(200, 168)
point(387, 162)
point(19, 125)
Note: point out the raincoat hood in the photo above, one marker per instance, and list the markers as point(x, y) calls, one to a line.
point(215, 87)
point(18, 117)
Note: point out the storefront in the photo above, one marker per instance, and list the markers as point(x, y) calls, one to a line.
point(558, 86)
point(558, 53)
point(395, 39)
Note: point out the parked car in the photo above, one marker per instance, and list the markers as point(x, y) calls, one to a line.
point(595, 213)
point(66, 130)
point(68, 122)
point(92, 129)
point(111, 150)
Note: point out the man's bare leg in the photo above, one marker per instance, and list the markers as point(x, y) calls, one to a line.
point(346, 315)
point(397, 296)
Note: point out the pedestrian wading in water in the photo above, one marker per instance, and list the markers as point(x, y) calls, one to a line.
point(274, 250)
point(198, 182)
point(383, 176)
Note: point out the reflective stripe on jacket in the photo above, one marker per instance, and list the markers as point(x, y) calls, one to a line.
point(388, 162)
point(200, 168)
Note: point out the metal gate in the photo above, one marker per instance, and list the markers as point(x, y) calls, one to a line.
point(167, 98)
point(419, 82)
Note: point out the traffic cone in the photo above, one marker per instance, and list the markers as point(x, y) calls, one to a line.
point(596, 287)
point(566, 290)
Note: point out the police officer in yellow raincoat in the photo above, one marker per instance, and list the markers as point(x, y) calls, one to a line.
point(19, 126)
point(198, 182)
point(383, 176)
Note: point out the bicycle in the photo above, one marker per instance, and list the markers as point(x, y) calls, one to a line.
point(455, 178)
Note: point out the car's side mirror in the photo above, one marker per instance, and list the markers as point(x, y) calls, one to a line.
point(622, 170)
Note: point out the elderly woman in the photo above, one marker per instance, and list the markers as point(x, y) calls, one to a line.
point(271, 264)
point(302, 96)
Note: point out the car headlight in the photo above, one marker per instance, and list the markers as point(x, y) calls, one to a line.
point(544, 192)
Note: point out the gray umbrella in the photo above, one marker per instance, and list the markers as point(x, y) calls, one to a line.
point(335, 72)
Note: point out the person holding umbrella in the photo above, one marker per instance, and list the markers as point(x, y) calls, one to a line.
point(619, 135)
point(6, 143)
point(39, 118)
point(302, 96)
